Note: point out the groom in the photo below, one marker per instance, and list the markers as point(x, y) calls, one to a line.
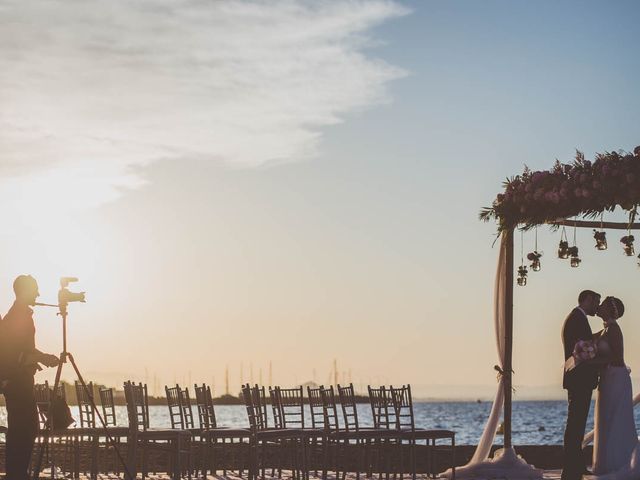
point(579, 383)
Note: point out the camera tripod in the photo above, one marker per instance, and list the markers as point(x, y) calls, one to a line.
point(64, 357)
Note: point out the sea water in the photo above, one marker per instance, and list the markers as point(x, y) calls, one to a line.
point(534, 423)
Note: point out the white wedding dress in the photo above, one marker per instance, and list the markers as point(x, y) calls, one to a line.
point(616, 449)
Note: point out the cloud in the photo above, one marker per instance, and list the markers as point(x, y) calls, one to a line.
point(92, 90)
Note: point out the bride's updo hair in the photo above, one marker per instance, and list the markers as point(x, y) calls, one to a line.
point(615, 305)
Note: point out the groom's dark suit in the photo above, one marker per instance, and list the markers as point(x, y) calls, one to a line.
point(579, 383)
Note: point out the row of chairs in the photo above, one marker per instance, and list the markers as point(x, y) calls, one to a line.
point(63, 449)
point(326, 444)
point(331, 444)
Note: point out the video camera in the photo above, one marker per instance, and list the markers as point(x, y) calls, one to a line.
point(65, 296)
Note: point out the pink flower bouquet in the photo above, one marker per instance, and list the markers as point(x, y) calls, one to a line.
point(583, 351)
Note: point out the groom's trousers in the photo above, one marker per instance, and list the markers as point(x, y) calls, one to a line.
point(578, 410)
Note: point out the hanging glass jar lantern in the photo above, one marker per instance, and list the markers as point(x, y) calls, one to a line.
point(522, 275)
point(575, 258)
point(627, 242)
point(534, 258)
point(600, 236)
point(563, 247)
point(573, 251)
point(601, 239)
point(522, 270)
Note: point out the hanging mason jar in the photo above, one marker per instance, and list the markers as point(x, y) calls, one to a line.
point(522, 275)
point(627, 245)
point(601, 239)
point(534, 258)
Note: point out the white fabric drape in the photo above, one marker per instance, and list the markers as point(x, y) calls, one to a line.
point(505, 464)
point(489, 433)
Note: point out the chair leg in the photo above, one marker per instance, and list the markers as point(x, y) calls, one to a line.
point(145, 471)
point(326, 450)
point(177, 468)
point(132, 452)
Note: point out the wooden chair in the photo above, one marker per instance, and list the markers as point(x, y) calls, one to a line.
point(108, 406)
point(375, 443)
point(187, 411)
point(87, 414)
point(218, 442)
point(403, 406)
point(114, 454)
point(342, 444)
point(384, 417)
point(181, 416)
point(382, 408)
point(176, 442)
point(287, 405)
point(176, 413)
point(88, 421)
point(319, 448)
point(288, 412)
point(315, 407)
point(108, 436)
point(283, 442)
point(42, 394)
point(58, 443)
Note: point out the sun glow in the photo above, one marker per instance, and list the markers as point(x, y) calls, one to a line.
point(52, 235)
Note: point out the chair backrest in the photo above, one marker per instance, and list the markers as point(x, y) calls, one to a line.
point(185, 406)
point(254, 401)
point(42, 394)
point(108, 406)
point(206, 412)
point(175, 406)
point(382, 407)
point(329, 409)
point(85, 397)
point(315, 406)
point(288, 407)
point(278, 417)
point(349, 408)
point(292, 403)
point(403, 406)
point(137, 405)
point(260, 394)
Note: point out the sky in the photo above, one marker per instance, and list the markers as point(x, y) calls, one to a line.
point(245, 184)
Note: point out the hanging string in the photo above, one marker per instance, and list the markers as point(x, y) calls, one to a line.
point(536, 249)
point(575, 229)
point(521, 247)
point(563, 234)
point(601, 220)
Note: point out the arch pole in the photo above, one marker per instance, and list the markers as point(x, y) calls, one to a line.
point(508, 338)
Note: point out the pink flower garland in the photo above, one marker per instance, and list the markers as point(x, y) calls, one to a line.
point(581, 188)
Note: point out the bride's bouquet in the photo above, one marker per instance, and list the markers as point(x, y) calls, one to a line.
point(583, 351)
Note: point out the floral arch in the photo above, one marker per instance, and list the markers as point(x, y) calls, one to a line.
point(574, 194)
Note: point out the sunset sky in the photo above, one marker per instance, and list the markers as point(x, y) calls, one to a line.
point(239, 183)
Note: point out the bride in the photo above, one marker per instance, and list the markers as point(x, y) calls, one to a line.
point(616, 450)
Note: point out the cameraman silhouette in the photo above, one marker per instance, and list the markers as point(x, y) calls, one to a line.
point(20, 361)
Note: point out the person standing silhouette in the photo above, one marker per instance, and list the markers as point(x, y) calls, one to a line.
point(20, 361)
point(579, 384)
